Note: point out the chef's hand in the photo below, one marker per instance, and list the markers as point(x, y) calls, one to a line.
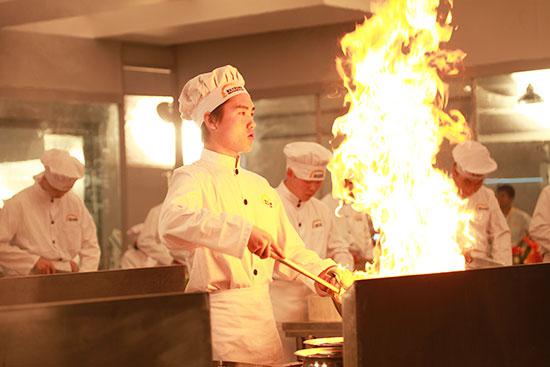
point(468, 257)
point(74, 267)
point(43, 266)
point(261, 244)
point(329, 274)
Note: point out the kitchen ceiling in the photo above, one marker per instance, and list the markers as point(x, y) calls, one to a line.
point(169, 22)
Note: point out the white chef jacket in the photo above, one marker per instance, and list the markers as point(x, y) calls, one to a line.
point(493, 246)
point(148, 251)
point(539, 229)
point(355, 227)
point(34, 225)
point(210, 209)
point(518, 222)
point(316, 226)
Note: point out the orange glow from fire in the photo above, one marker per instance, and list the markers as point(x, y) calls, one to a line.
point(392, 133)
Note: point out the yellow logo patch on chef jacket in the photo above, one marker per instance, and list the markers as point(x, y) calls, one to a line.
point(317, 223)
point(267, 200)
point(71, 218)
point(481, 211)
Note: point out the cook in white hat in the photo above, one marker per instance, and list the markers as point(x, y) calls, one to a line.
point(61, 170)
point(493, 245)
point(307, 161)
point(205, 92)
point(231, 221)
point(46, 228)
point(472, 163)
point(147, 248)
point(306, 164)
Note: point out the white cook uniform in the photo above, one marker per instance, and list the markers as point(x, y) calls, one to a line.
point(148, 250)
point(518, 222)
point(210, 209)
point(34, 225)
point(539, 229)
point(355, 227)
point(316, 226)
point(492, 246)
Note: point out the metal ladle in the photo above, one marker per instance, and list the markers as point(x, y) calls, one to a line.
point(300, 269)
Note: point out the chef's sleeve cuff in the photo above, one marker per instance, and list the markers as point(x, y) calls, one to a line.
point(238, 251)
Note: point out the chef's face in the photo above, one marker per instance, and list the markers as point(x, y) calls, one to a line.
point(466, 186)
point(232, 131)
point(56, 193)
point(303, 189)
point(504, 199)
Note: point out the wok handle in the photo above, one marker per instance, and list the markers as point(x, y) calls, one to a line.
point(291, 264)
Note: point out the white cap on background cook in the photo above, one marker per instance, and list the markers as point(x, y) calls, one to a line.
point(473, 160)
point(61, 169)
point(307, 160)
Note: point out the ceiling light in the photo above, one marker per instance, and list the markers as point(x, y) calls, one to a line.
point(530, 96)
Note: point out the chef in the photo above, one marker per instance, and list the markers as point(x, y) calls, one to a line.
point(306, 164)
point(45, 228)
point(492, 246)
point(148, 250)
point(233, 222)
point(356, 228)
point(517, 219)
point(539, 229)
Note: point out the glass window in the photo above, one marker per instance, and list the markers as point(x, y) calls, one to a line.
point(283, 120)
point(89, 131)
point(191, 142)
point(280, 121)
point(150, 139)
point(17, 175)
point(513, 121)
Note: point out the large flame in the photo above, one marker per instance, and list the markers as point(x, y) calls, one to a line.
point(392, 71)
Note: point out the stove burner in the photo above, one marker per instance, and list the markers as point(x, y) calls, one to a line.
point(328, 355)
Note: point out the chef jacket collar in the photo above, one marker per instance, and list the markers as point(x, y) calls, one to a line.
point(220, 159)
point(43, 194)
point(289, 195)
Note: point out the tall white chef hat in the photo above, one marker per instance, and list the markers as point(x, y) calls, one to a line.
point(61, 169)
point(207, 91)
point(473, 160)
point(307, 160)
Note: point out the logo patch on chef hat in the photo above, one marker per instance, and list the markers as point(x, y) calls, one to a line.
point(231, 88)
point(267, 200)
point(317, 223)
point(71, 218)
point(317, 174)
